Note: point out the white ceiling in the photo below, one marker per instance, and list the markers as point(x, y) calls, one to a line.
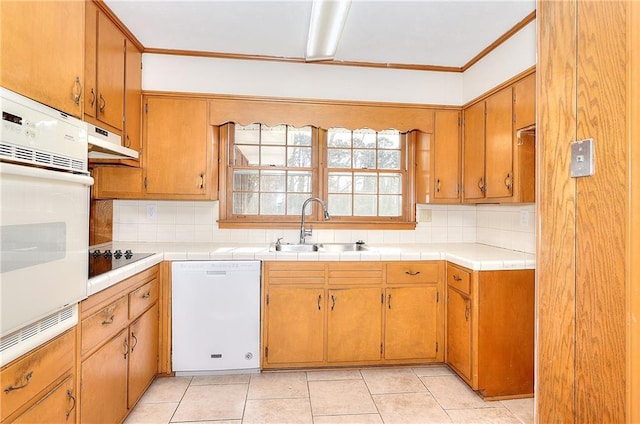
point(419, 32)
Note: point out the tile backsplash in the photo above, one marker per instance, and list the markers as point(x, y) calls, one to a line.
point(511, 227)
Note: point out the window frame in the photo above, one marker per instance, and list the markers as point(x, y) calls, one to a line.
point(319, 170)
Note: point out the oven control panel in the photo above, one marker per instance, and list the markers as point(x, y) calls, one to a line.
point(36, 134)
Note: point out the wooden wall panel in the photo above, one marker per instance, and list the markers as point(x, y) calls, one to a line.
point(555, 285)
point(602, 214)
point(633, 264)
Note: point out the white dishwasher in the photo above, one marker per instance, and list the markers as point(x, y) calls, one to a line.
point(215, 316)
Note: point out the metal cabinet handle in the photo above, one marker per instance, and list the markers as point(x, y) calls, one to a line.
point(466, 310)
point(319, 300)
point(333, 302)
point(389, 301)
point(201, 185)
point(93, 98)
point(73, 405)
point(135, 339)
point(77, 91)
point(127, 143)
point(481, 185)
point(126, 347)
point(27, 380)
point(103, 103)
point(147, 295)
point(438, 185)
point(108, 320)
point(456, 278)
point(508, 181)
point(412, 272)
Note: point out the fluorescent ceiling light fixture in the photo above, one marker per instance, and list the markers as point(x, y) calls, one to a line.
point(327, 20)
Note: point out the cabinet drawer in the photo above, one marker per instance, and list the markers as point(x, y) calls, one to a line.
point(413, 272)
point(459, 279)
point(295, 273)
point(104, 323)
point(29, 375)
point(355, 273)
point(143, 297)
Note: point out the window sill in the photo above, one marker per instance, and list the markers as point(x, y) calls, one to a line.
point(324, 225)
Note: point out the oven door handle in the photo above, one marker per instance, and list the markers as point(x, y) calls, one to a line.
point(45, 174)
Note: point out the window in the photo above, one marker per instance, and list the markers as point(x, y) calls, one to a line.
point(361, 174)
point(364, 173)
point(272, 169)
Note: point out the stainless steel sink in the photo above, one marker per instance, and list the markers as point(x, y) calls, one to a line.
point(294, 247)
point(342, 247)
point(318, 247)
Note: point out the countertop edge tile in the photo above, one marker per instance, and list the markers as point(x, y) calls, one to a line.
point(475, 256)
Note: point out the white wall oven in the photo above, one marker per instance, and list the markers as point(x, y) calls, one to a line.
point(44, 223)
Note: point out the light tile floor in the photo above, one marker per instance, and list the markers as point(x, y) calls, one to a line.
point(431, 394)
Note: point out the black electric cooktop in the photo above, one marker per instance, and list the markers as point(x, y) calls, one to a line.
point(101, 261)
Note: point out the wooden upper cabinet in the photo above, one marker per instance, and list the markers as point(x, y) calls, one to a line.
point(473, 157)
point(42, 51)
point(104, 69)
point(423, 177)
point(524, 102)
point(499, 144)
point(178, 148)
point(133, 97)
point(446, 157)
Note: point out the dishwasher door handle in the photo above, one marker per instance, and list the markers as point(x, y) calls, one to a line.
point(216, 273)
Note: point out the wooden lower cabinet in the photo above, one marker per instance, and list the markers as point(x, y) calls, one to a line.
point(39, 387)
point(119, 339)
point(490, 330)
point(143, 356)
point(411, 323)
point(300, 310)
point(104, 382)
point(354, 324)
point(325, 314)
point(57, 406)
point(459, 333)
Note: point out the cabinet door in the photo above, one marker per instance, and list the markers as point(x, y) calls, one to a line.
point(524, 102)
point(411, 316)
point(90, 59)
point(354, 330)
point(42, 51)
point(295, 325)
point(446, 156)
point(104, 382)
point(113, 182)
point(110, 73)
point(423, 167)
point(57, 406)
point(133, 97)
point(143, 359)
point(499, 144)
point(473, 156)
point(459, 332)
point(177, 147)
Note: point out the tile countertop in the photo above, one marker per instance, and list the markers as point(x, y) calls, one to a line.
point(474, 256)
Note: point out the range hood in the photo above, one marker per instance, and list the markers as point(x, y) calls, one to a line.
point(104, 144)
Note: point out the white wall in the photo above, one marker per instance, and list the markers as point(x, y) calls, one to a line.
point(512, 57)
point(316, 81)
point(299, 80)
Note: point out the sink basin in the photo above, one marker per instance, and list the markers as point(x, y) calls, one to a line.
point(294, 247)
point(319, 247)
point(342, 247)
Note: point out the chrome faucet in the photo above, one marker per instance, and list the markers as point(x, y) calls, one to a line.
point(304, 233)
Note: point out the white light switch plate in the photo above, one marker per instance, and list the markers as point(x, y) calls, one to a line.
point(152, 212)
